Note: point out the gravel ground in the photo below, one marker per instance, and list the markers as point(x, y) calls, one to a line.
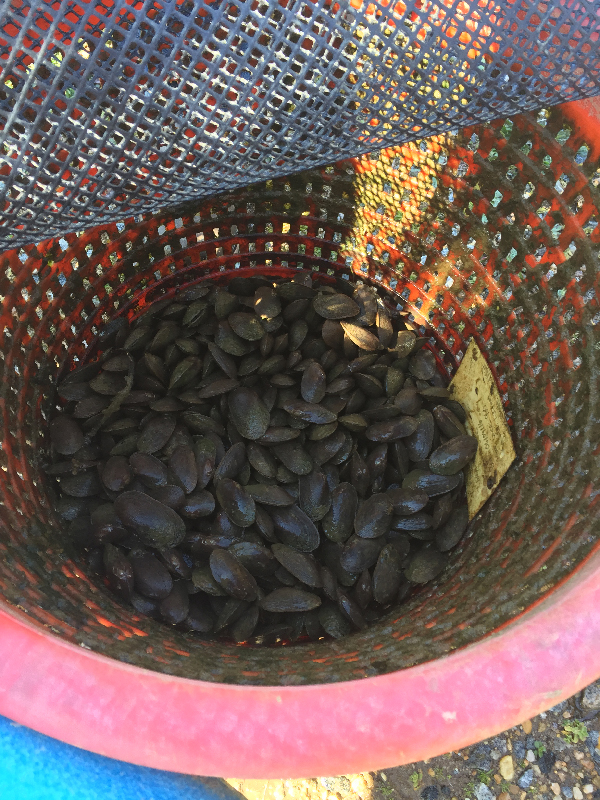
point(554, 756)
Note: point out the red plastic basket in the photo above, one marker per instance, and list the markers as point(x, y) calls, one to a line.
point(492, 234)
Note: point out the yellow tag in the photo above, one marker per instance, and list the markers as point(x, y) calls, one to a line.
point(475, 389)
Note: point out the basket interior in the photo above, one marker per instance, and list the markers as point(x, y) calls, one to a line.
point(491, 233)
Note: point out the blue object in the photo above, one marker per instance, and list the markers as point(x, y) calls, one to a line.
point(36, 767)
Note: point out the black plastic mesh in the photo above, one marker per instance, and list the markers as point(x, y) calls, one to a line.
point(108, 107)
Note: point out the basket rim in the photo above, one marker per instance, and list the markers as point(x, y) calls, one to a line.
point(202, 728)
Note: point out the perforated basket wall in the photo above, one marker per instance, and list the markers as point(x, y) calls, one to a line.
point(491, 234)
point(112, 107)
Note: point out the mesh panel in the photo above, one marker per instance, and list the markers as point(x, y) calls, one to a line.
point(107, 107)
point(492, 233)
